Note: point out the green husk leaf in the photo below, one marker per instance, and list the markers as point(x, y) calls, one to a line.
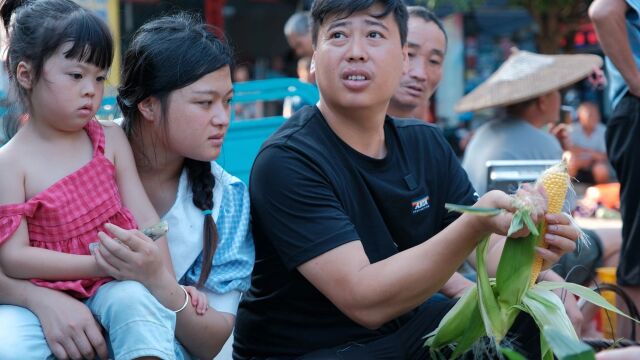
point(472, 210)
point(454, 324)
point(547, 310)
point(474, 331)
point(545, 350)
point(514, 269)
point(494, 323)
point(583, 292)
point(531, 225)
point(511, 354)
point(566, 348)
point(516, 223)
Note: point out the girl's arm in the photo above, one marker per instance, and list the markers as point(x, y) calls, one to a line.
point(19, 260)
point(130, 187)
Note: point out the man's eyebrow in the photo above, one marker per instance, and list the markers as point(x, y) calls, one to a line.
point(437, 52)
point(376, 22)
point(338, 23)
point(413, 45)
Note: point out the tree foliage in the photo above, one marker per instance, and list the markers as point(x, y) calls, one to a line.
point(555, 19)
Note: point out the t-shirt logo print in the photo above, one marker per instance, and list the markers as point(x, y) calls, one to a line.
point(420, 204)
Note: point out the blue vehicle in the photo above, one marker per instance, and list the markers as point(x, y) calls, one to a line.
point(243, 141)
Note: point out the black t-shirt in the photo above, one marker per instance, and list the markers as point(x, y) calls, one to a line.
point(311, 192)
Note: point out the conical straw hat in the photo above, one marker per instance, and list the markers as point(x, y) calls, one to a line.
point(525, 75)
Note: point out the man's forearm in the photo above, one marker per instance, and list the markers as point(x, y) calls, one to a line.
point(608, 18)
point(398, 284)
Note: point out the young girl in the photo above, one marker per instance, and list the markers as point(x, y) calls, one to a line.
point(70, 176)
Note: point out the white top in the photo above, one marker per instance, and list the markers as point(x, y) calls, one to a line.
point(234, 257)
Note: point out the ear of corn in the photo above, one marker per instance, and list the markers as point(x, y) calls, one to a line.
point(555, 181)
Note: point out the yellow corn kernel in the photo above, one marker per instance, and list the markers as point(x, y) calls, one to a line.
point(556, 182)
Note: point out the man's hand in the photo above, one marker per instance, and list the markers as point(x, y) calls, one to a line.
point(69, 327)
point(561, 132)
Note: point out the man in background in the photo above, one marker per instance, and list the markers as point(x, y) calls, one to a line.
point(617, 23)
point(427, 45)
point(298, 32)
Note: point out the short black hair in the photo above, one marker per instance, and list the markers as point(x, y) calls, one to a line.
point(428, 16)
point(321, 9)
point(36, 29)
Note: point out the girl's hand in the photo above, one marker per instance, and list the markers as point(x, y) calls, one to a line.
point(561, 238)
point(69, 327)
point(132, 256)
point(198, 300)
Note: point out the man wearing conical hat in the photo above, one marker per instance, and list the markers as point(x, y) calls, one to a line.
point(527, 86)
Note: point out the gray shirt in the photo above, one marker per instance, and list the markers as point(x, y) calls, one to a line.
point(506, 139)
point(595, 141)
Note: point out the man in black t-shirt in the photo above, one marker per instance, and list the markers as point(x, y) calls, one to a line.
point(343, 201)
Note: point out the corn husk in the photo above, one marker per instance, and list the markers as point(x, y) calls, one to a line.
point(499, 301)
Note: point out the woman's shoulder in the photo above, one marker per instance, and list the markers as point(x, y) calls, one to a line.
point(223, 178)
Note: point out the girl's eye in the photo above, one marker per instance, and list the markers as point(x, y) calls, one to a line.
point(76, 76)
point(101, 78)
point(229, 101)
point(205, 103)
point(411, 55)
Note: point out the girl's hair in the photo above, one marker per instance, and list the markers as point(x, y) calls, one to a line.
point(37, 28)
point(167, 54)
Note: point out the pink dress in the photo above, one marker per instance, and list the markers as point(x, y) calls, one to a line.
point(67, 216)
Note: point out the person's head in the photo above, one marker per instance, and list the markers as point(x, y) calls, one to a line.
point(303, 68)
point(58, 56)
point(359, 51)
point(528, 85)
point(427, 44)
point(298, 34)
point(539, 111)
point(241, 74)
point(588, 115)
point(175, 98)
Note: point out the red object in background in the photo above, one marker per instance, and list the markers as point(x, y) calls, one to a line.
point(608, 195)
point(579, 39)
point(213, 14)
